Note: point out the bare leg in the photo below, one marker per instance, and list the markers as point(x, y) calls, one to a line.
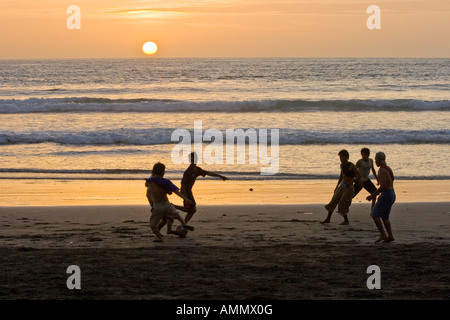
point(331, 205)
point(162, 223)
point(387, 225)
point(327, 220)
point(169, 223)
point(169, 227)
point(190, 214)
point(379, 225)
point(373, 202)
point(158, 234)
point(345, 222)
point(183, 223)
point(181, 208)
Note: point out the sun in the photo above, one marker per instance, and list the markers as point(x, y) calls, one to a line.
point(149, 48)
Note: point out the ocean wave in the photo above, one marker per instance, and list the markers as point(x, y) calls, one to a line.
point(86, 104)
point(161, 136)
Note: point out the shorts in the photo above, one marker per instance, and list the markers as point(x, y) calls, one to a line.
point(188, 194)
point(342, 198)
point(161, 210)
point(382, 208)
point(368, 185)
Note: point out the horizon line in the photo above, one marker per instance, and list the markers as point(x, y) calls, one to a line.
point(229, 57)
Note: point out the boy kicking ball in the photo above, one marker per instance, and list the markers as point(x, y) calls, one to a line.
point(157, 189)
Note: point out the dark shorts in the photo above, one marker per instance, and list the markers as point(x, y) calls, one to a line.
point(188, 194)
point(368, 185)
point(382, 208)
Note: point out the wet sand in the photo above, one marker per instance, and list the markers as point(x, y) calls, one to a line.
point(237, 252)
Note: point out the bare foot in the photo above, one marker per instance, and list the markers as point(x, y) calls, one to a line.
point(325, 221)
point(171, 232)
point(388, 240)
point(344, 223)
point(188, 227)
point(380, 239)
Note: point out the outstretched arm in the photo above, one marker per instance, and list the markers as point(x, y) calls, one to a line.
point(213, 174)
point(178, 193)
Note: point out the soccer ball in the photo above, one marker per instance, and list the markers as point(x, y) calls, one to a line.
point(181, 232)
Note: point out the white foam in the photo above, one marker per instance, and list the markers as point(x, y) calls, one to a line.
point(161, 136)
point(84, 104)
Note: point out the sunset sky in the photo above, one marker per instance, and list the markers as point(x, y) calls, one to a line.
point(224, 28)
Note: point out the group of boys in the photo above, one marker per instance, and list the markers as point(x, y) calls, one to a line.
point(355, 177)
point(164, 212)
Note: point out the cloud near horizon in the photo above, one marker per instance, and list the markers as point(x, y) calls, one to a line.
point(116, 28)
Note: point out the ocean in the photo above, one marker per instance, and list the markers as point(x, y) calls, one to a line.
point(112, 119)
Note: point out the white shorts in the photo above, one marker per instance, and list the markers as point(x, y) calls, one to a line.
point(161, 210)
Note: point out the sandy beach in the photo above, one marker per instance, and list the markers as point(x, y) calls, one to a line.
point(239, 250)
point(267, 94)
